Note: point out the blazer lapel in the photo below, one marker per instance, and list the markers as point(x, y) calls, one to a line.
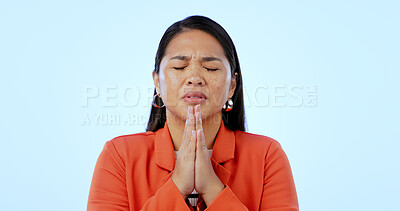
point(164, 149)
point(223, 151)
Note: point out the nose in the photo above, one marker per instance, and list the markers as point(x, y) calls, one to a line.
point(195, 80)
point(195, 77)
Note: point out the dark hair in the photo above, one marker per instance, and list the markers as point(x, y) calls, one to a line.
point(234, 119)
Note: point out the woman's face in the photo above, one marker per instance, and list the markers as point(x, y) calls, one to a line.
point(194, 70)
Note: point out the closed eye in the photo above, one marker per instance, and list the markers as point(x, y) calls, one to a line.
point(179, 68)
point(211, 69)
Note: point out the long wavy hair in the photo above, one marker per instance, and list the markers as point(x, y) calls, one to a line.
point(234, 119)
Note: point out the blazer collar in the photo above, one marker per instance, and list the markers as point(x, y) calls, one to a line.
point(223, 150)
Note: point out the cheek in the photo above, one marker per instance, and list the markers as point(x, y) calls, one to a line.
point(172, 80)
point(169, 85)
point(219, 91)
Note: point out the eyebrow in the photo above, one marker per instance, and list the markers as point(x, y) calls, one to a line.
point(206, 59)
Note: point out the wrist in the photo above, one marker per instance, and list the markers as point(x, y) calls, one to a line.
point(210, 196)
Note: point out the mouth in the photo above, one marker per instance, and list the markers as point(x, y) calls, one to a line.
point(194, 97)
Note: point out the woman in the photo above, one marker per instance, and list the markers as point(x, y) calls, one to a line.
point(195, 154)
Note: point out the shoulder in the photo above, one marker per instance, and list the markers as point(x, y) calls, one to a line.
point(126, 145)
point(254, 138)
point(255, 142)
point(137, 138)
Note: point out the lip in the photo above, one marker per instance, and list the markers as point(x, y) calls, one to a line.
point(200, 97)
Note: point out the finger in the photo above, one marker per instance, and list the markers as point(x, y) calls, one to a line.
point(201, 140)
point(189, 130)
point(199, 124)
point(192, 143)
point(193, 119)
point(186, 132)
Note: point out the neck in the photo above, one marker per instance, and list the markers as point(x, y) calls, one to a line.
point(210, 125)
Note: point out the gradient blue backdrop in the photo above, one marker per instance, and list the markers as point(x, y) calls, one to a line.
point(320, 77)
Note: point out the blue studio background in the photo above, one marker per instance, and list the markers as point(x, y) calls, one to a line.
point(320, 77)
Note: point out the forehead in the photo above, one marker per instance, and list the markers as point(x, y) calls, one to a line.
point(194, 43)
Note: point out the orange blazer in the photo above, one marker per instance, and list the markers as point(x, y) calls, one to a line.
point(133, 172)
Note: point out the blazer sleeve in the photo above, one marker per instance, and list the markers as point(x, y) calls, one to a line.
point(279, 192)
point(108, 189)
